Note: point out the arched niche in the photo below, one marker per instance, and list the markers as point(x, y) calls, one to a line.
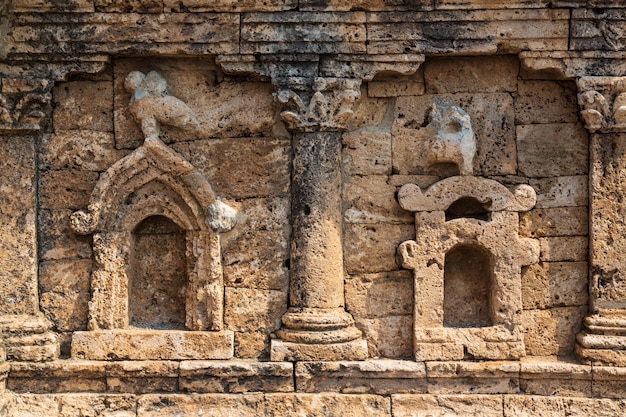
point(467, 287)
point(151, 191)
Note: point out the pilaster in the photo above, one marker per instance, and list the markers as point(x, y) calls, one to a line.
point(603, 108)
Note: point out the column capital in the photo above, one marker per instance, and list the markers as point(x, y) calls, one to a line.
point(602, 102)
point(24, 103)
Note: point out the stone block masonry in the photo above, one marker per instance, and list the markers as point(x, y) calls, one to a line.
point(321, 208)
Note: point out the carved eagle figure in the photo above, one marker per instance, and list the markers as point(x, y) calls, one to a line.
point(150, 103)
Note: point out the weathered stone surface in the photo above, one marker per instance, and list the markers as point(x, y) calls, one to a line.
point(141, 344)
point(561, 191)
point(252, 345)
point(74, 405)
point(396, 86)
point(369, 113)
point(492, 116)
point(387, 337)
point(236, 376)
point(18, 235)
point(547, 376)
point(315, 405)
point(597, 29)
point(243, 167)
point(565, 221)
point(83, 105)
point(380, 295)
point(253, 310)
point(532, 405)
point(64, 289)
point(354, 350)
point(84, 150)
point(66, 189)
point(555, 284)
point(545, 102)
point(228, 5)
point(56, 238)
point(572, 248)
point(565, 144)
point(214, 405)
point(120, 6)
point(608, 382)
point(371, 200)
point(469, 75)
point(267, 33)
point(553, 331)
point(372, 376)
point(366, 153)
point(78, 6)
point(375, 243)
point(458, 31)
point(469, 377)
point(446, 405)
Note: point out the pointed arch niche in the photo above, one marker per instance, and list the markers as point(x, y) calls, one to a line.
point(153, 209)
point(466, 260)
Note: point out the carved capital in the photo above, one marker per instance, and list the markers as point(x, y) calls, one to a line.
point(602, 101)
point(24, 103)
point(329, 108)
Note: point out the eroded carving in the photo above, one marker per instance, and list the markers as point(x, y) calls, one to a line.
point(24, 104)
point(603, 103)
point(329, 108)
point(474, 221)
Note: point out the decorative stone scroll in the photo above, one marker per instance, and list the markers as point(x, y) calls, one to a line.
point(150, 184)
point(466, 260)
point(603, 103)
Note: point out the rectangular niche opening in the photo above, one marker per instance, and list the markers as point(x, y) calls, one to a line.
point(467, 287)
point(157, 275)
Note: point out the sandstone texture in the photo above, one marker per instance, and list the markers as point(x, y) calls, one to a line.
point(313, 207)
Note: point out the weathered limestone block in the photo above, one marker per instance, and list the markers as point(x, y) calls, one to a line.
point(597, 29)
point(341, 5)
point(469, 75)
point(387, 337)
point(567, 150)
point(228, 5)
point(18, 234)
point(140, 377)
point(608, 382)
point(492, 117)
point(83, 105)
point(61, 405)
point(76, 6)
point(555, 284)
point(27, 338)
point(217, 405)
point(547, 376)
point(57, 240)
point(252, 345)
point(319, 405)
point(561, 221)
point(236, 376)
point(362, 377)
point(407, 405)
point(66, 189)
point(534, 405)
point(143, 344)
point(132, 6)
point(472, 377)
point(372, 248)
point(561, 191)
point(244, 167)
point(369, 113)
point(380, 295)
point(24, 103)
point(319, 33)
point(366, 153)
point(64, 289)
point(539, 101)
point(567, 248)
point(467, 31)
point(253, 310)
point(552, 331)
point(394, 85)
point(256, 252)
point(58, 376)
point(371, 200)
point(81, 150)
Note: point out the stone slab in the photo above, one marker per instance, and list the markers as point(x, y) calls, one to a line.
point(214, 405)
point(326, 404)
point(407, 405)
point(555, 284)
point(151, 344)
point(472, 377)
point(381, 376)
point(289, 351)
point(565, 248)
point(553, 377)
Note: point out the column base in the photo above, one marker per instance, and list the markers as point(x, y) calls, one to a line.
point(355, 350)
point(28, 338)
point(603, 342)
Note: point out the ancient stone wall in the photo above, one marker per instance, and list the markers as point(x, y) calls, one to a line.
point(359, 208)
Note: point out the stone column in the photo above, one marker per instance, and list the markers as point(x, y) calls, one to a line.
point(603, 107)
point(316, 326)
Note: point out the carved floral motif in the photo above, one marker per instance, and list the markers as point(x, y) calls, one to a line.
point(23, 104)
point(603, 103)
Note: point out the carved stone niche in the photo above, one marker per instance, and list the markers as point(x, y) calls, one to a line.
point(157, 286)
point(466, 260)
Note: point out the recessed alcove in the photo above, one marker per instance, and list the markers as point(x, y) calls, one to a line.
point(157, 275)
point(467, 286)
point(468, 207)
